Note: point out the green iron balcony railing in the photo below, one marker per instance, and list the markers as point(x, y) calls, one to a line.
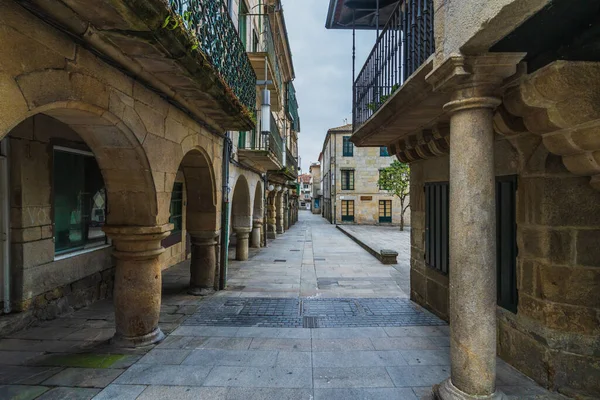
point(291, 163)
point(260, 142)
point(269, 46)
point(292, 107)
point(215, 36)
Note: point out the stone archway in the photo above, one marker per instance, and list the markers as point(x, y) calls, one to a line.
point(258, 217)
point(241, 217)
point(131, 219)
point(201, 219)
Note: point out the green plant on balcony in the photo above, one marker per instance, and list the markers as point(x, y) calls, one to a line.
point(382, 99)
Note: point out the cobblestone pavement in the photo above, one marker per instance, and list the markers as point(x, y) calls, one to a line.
point(330, 322)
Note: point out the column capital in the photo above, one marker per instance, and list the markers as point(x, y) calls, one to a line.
point(257, 222)
point(137, 242)
point(204, 238)
point(474, 76)
point(242, 230)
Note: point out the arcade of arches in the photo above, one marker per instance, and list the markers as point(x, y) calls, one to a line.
point(109, 184)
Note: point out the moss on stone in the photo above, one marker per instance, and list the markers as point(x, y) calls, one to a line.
point(85, 360)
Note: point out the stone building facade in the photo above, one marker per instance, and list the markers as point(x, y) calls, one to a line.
point(315, 173)
point(116, 131)
point(350, 190)
point(306, 186)
point(501, 132)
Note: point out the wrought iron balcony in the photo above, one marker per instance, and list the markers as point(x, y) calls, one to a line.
point(403, 46)
point(292, 107)
point(214, 35)
point(291, 164)
point(263, 152)
point(263, 58)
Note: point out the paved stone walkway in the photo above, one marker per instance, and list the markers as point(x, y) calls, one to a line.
point(313, 316)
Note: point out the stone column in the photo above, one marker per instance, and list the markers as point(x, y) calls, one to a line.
point(203, 264)
point(473, 83)
point(138, 283)
point(286, 216)
point(255, 239)
point(241, 246)
point(271, 217)
point(280, 211)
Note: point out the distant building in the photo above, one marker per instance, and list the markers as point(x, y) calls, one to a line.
point(315, 173)
point(305, 181)
point(349, 176)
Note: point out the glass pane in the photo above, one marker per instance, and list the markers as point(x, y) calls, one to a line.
point(79, 202)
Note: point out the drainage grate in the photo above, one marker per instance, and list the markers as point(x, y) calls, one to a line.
point(310, 322)
point(280, 260)
point(294, 250)
point(319, 259)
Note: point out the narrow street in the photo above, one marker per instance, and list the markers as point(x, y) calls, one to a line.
point(312, 316)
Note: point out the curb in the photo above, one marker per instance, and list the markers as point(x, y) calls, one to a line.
point(386, 257)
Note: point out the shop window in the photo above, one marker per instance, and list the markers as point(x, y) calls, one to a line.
point(385, 211)
point(79, 198)
point(436, 226)
point(348, 210)
point(348, 147)
point(347, 179)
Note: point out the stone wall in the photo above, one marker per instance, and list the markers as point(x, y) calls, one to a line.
point(554, 336)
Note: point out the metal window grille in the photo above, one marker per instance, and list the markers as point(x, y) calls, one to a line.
point(348, 179)
point(385, 211)
point(436, 226)
point(348, 147)
point(348, 210)
point(506, 242)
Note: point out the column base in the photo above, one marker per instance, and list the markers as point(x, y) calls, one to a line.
point(196, 291)
point(154, 337)
point(271, 235)
point(447, 391)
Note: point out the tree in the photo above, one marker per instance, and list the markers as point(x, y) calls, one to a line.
point(396, 179)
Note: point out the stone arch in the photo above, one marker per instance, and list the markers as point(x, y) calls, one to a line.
point(201, 209)
point(131, 195)
point(241, 212)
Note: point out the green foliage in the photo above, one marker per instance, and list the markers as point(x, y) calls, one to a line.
point(396, 179)
point(382, 99)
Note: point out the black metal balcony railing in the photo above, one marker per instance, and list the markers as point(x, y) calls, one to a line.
point(268, 46)
point(291, 163)
point(271, 142)
point(404, 44)
point(208, 21)
point(292, 107)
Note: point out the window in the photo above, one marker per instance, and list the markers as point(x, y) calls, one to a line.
point(347, 179)
point(506, 242)
point(383, 151)
point(176, 218)
point(254, 42)
point(348, 147)
point(79, 201)
point(436, 226)
point(385, 211)
point(242, 22)
point(306, 186)
point(348, 210)
point(241, 140)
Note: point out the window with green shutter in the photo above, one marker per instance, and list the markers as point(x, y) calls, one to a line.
point(347, 179)
point(348, 210)
point(348, 147)
point(385, 211)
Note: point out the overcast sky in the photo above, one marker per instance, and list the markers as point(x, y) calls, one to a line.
point(323, 66)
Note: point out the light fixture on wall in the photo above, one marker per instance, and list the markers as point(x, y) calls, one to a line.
point(271, 188)
point(279, 188)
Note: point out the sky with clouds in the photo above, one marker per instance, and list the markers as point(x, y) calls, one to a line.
point(323, 65)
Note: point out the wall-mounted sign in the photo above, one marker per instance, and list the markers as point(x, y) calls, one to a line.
point(366, 198)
